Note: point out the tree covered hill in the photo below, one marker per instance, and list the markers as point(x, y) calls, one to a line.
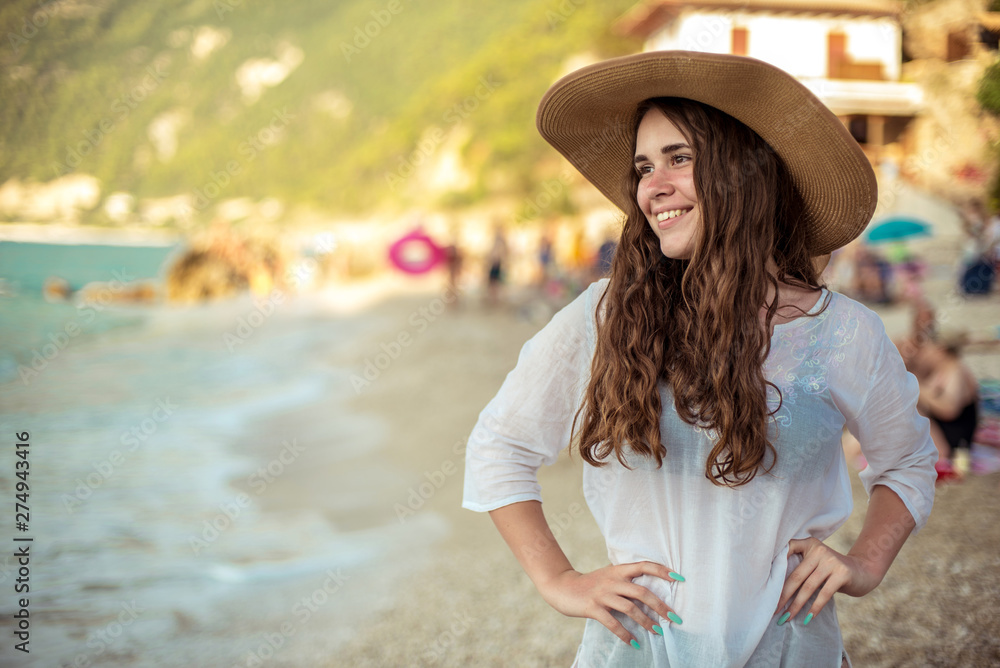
point(342, 105)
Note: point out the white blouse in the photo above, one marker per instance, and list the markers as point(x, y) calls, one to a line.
point(836, 369)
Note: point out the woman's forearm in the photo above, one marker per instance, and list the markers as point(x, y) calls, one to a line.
point(595, 595)
point(527, 533)
point(824, 571)
point(887, 526)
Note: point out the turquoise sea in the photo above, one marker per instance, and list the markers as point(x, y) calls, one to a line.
point(29, 323)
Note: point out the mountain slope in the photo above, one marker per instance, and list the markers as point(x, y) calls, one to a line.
point(345, 106)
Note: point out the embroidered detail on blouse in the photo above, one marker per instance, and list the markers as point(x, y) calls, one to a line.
point(801, 359)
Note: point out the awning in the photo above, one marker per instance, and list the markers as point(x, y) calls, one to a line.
point(878, 98)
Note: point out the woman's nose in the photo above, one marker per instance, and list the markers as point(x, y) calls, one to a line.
point(659, 183)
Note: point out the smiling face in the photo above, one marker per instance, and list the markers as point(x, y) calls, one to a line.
point(666, 195)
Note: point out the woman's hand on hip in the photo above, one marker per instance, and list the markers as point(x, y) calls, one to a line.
point(826, 571)
point(594, 595)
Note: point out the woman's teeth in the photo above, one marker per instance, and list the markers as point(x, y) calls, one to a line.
point(667, 215)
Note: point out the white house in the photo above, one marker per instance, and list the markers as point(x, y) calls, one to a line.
point(848, 52)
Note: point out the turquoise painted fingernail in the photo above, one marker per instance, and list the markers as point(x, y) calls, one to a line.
point(657, 629)
point(807, 619)
point(784, 618)
point(635, 643)
point(675, 618)
point(676, 576)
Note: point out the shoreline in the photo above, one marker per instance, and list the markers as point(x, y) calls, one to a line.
point(86, 235)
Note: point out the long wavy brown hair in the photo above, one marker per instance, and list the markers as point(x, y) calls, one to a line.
point(695, 324)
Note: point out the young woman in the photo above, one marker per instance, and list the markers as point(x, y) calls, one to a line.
point(707, 382)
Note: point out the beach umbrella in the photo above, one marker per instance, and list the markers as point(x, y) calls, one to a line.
point(897, 229)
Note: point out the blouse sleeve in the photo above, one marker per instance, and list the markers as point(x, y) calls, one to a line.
point(895, 439)
point(530, 419)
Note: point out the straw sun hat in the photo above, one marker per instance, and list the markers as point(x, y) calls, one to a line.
point(588, 116)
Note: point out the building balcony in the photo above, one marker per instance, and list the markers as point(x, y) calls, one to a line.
point(880, 98)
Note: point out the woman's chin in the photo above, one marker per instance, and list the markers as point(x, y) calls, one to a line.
point(674, 253)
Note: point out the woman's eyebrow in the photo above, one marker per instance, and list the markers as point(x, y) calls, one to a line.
point(669, 148)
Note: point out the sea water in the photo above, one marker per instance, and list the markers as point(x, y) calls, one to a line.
point(29, 322)
point(155, 466)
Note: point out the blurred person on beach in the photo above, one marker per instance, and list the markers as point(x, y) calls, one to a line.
point(578, 254)
point(923, 331)
point(907, 271)
point(605, 255)
point(871, 276)
point(979, 254)
point(949, 396)
point(453, 258)
point(991, 239)
point(496, 262)
point(706, 383)
point(949, 390)
point(545, 257)
point(975, 224)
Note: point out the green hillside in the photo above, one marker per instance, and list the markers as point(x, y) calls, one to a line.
point(371, 83)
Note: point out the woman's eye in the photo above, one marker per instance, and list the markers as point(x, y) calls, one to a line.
point(681, 159)
point(644, 169)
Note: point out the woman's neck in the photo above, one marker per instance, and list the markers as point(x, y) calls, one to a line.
point(793, 300)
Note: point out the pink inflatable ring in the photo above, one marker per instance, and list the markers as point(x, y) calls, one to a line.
point(401, 253)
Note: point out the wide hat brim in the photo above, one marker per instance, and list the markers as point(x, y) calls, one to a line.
point(589, 117)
